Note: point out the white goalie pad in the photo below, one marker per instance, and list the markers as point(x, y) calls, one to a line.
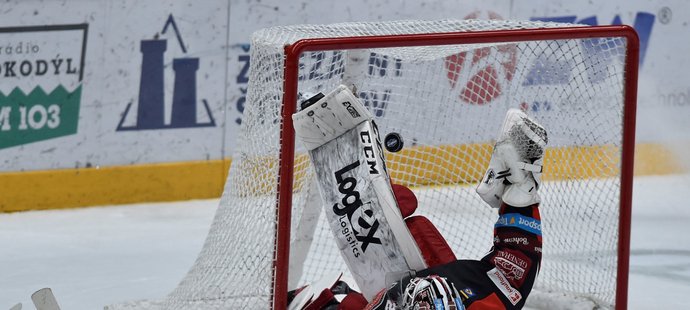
point(330, 117)
point(345, 149)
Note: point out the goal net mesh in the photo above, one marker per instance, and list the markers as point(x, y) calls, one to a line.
point(447, 102)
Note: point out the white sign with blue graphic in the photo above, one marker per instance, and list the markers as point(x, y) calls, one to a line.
point(165, 80)
point(663, 88)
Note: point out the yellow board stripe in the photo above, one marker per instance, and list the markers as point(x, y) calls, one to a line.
point(657, 159)
point(69, 188)
point(462, 164)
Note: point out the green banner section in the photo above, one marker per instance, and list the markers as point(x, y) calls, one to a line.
point(38, 116)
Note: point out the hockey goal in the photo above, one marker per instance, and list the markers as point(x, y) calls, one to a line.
point(444, 86)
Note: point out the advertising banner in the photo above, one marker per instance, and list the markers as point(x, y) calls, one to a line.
point(111, 83)
point(120, 84)
point(41, 91)
point(664, 91)
point(249, 16)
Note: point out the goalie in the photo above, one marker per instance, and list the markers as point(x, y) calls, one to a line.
point(401, 261)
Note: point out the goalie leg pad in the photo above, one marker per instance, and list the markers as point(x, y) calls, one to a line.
point(355, 188)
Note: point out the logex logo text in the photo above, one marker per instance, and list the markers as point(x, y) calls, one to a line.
point(151, 107)
point(41, 69)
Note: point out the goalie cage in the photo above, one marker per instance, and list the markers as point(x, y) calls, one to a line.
point(445, 87)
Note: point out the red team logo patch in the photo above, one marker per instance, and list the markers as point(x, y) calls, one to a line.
point(513, 265)
point(480, 74)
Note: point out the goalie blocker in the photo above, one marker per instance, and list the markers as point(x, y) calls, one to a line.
point(346, 152)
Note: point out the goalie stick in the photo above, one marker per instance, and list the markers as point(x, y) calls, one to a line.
point(45, 300)
point(346, 152)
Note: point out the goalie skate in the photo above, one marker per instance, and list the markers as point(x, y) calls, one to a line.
point(347, 155)
point(514, 173)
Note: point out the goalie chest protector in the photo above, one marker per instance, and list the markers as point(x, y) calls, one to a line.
point(345, 149)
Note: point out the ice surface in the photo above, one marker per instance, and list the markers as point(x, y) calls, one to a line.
point(98, 256)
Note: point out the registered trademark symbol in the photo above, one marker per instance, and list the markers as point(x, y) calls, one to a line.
point(665, 15)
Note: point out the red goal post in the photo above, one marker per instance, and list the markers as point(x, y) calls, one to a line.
point(290, 98)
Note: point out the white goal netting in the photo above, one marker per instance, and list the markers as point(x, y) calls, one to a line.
point(447, 102)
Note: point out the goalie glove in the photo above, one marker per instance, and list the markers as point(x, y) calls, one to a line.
point(514, 173)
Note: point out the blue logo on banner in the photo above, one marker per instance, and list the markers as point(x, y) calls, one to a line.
point(519, 221)
point(598, 51)
point(151, 108)
point(643, 24)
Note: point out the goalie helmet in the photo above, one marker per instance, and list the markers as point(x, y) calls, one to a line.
point(431, 293)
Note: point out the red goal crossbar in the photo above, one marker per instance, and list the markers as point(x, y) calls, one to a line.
point(287, 135)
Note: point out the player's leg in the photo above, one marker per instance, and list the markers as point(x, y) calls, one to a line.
point(359, 204)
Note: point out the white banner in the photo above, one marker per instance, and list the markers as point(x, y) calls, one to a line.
point(143, 82)
point(160, 81)
point(248, 16)
point(664, 91)
point(89, 83)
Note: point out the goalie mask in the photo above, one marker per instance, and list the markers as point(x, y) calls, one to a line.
point(432, 293)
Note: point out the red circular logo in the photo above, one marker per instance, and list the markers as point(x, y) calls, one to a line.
point(481, 74)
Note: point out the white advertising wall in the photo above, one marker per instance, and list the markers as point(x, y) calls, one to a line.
point(89, 83)
point(135, 104)
point(662, 25)
point(246, 17)
point(130, 101)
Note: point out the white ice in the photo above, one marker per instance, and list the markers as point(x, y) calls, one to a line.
point(98, 256)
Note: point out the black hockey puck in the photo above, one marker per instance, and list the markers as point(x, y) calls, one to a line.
point(393, 142)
